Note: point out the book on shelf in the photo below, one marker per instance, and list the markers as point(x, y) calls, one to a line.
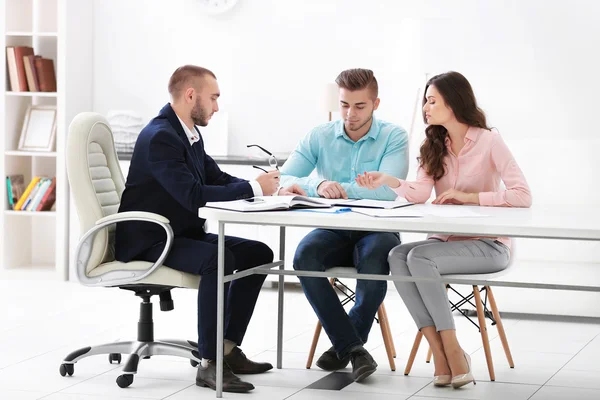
point(16, 67)
point(49, 198)
point(29, 72)
point(269, 203)
point(27, 192)
point(15, 186)
point(45, 72)
point(39, 195)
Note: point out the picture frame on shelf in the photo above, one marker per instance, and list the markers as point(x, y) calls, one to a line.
point(39, 129)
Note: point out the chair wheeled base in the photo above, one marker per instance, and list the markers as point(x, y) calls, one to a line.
point(145, 346)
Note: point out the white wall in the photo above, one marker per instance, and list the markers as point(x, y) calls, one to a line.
point(532, 65)
point(272, 59)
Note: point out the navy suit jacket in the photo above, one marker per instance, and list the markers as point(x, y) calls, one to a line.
point(168, 176)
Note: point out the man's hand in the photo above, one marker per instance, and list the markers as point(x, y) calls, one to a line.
point(453, 196)
point(331, 190)
point(292, 190)
point(269, 182)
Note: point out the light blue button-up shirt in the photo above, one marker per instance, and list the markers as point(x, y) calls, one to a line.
point(338, 158)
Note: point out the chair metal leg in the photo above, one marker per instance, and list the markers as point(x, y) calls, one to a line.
point(131, 365)
point(389, 330)
point(107, 348)
point(484, 333)
point(386, 337)
point(185, 343)
point(313, 346)
point(500, 327)
point(413, 353)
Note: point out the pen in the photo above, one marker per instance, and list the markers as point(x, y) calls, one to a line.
point(341, 210)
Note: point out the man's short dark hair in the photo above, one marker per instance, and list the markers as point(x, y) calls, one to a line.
point(358, 79)
point(182, 77)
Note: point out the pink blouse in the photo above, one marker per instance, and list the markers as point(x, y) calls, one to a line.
point(481, 164)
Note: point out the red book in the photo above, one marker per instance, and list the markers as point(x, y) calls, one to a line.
point(45, 73)
point(49, 197)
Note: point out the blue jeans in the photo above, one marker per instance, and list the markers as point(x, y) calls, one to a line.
point(368, 252)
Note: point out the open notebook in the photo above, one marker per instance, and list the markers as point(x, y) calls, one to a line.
point(269, 203)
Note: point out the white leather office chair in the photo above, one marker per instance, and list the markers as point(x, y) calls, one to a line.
point(482, 313)
point(97, 185)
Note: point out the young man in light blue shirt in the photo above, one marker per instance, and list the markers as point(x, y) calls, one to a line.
point(339, 151)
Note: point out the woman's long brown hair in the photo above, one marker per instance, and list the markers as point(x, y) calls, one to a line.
point(457, 93)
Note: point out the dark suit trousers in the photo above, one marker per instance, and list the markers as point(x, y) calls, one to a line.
point(199, 256)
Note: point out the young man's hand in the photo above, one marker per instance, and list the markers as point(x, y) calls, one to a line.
point(292, 190)
point(331, 190)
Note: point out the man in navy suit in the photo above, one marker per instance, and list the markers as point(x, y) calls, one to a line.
point(171, 175)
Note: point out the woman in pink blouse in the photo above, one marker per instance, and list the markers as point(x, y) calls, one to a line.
point(464, 161)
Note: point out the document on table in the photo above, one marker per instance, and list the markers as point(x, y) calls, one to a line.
point(419, 210)
point(368, 203)
point(336, 202)
point(408, 212)
point(332, 210)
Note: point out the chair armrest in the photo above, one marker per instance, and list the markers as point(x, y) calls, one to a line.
point(121, 276)
point(132, 215)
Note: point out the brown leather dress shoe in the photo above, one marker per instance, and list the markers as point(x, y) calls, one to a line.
point(207, 377)
point(239, 363)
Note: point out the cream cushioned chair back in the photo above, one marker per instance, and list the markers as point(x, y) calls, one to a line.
point(96, 180)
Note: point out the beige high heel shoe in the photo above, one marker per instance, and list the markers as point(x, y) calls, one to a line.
point(464, 379)
point(442, 380)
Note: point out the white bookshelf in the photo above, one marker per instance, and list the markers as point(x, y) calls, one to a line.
point(31, 94)
point(35, 244)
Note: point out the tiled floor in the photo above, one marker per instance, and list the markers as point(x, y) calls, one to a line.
point(42, 321)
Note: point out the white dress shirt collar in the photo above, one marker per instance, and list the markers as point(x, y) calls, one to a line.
point(193, 137)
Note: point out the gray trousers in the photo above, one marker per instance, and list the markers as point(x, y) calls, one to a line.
point(428, 302)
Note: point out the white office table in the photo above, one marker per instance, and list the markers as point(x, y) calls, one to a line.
point(542, 223)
